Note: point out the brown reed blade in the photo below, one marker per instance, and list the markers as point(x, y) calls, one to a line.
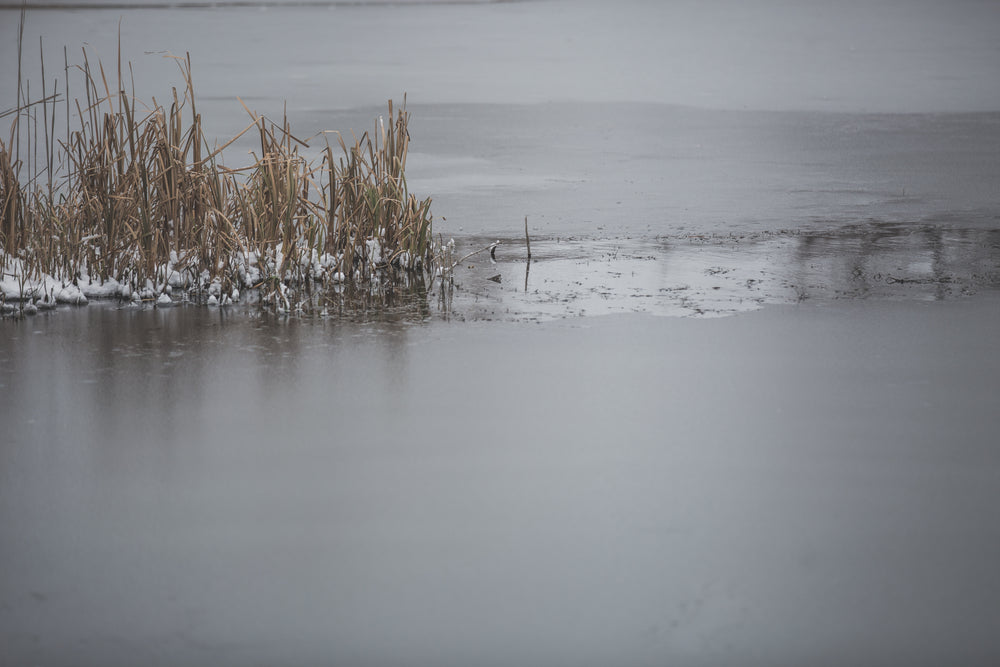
point(135, 191)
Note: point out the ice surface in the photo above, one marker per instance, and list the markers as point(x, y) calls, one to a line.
point(798, 485)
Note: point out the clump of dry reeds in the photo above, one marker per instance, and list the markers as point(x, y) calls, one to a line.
point(134, 196)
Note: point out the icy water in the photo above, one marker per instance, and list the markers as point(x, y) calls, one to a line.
point(801, 485)
point(607, 474)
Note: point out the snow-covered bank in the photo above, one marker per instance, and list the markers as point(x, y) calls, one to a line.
point(176, 280)
point(44, 290)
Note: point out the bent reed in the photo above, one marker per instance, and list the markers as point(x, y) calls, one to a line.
point(133, 203)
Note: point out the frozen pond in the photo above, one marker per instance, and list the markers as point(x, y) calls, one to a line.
point(797, 485)
point(568, 462)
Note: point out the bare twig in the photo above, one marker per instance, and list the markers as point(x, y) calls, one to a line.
point(527, 240)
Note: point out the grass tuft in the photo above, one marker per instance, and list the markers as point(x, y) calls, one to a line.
point(134, 198)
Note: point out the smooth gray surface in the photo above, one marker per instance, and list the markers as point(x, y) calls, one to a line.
point(799, 485)
point(844, 55)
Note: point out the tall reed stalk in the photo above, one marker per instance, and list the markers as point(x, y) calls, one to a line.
point(134, 194)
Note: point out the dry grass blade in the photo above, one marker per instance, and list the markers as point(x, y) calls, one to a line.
point(137, 198)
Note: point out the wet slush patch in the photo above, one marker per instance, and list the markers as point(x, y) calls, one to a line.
point(713, 274)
